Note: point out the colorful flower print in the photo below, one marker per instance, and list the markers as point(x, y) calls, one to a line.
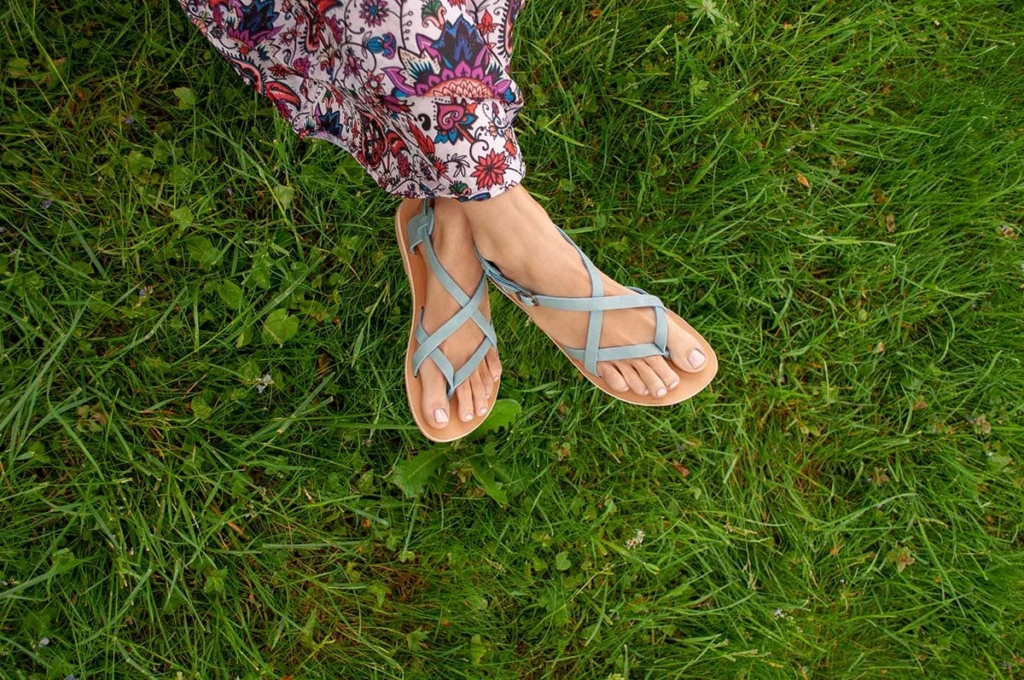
point(417, 90)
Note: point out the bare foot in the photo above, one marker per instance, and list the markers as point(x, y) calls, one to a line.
point(452, 241)
point(514, 232)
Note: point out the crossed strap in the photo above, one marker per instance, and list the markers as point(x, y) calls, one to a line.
point(421, 228)
point(597, 304)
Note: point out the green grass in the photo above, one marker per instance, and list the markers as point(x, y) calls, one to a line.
point(830, 191)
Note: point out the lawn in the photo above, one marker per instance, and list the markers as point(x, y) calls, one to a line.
point(208, 466)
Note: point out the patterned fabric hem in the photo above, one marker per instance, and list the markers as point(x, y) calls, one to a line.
point(417, 91)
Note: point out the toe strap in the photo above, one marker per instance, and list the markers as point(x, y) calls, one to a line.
point(596, 304)
point(593, 353)
point(430, 343)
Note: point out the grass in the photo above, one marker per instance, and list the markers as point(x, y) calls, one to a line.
point(830, 191)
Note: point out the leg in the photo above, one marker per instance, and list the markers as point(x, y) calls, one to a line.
point(419, 93)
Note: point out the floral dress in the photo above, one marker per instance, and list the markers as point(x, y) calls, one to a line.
point(417, 90)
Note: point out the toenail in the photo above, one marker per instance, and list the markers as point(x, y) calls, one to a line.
point(696, 358)
point(675, 384)
point(466, 417)
point(624, 388)
point(441, 416)
point(661, 392)
point(482, 411)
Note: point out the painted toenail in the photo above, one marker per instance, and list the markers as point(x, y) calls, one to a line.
point(441, 416)
point(661, 392)
point(696, 358)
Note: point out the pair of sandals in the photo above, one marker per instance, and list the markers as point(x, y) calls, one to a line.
point(414, 224)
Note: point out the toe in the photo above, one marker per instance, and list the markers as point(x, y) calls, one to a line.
point(636, 384)
point(651, 379)
point(685, 351)
point(487, 380)
point(613, 377)
point(464, 397)
point(477, 384)
point(668, 377)
point(493, 364)
point(433, 399)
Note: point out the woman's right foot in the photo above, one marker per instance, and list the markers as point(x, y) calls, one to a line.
point(514, 232)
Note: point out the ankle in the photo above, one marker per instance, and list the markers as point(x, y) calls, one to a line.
point(507, 225)
point(451, 228)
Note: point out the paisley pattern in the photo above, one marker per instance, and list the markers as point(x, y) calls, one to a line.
point(417, 90)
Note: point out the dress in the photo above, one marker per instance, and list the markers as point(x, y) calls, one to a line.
point(417, 90)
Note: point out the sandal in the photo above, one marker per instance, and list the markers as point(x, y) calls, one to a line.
point(586, 359)
point(414, 227)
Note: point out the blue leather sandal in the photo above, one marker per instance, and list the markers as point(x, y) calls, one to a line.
point(586, 358)
point(414, 225)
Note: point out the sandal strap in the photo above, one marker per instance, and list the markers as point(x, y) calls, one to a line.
point(452, 377)
point(421, 228)
point(596, 304)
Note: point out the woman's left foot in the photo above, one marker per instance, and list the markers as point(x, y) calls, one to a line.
point(515, 233)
